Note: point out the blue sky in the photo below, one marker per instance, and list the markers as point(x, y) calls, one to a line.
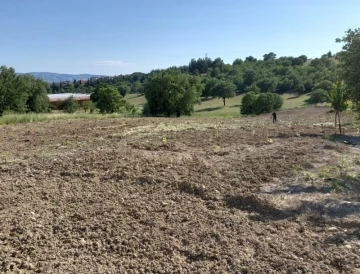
point(113, 37)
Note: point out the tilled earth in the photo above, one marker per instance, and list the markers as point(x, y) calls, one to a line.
point(184, 195)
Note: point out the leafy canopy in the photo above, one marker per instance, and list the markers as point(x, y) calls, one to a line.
point(108, 100)
point(169, 92)
point(224, 89)
point(258, 103)
point(350, 61)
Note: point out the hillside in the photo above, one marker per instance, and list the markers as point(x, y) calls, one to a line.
point(213, 107)
point(59, 77)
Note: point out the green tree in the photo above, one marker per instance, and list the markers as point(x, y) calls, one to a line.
point(338, 98)
point(248, 103)
point(325, 84)
point(268, 102)
point(13, 94)
point(224, 90)
point(304, 58)
point(109, 100)
point(124, 89)
point(297, 61)
point(238, 62)
point(210, 83)
point(350, 61)
point(170, 92)
point(250, 59)
point(249, 77)
point(69, 105)
point(137, 87)
point(267, 84)
point(269, 56)
point(318, 96)
point(37, 92)
point(253, 88)
point(258, 103)
point(88, 105)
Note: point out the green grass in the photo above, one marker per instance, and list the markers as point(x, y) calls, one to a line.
point(292, 101)
point(30, 118)
point(136, 99)
point(214, 106)
point(208, 108)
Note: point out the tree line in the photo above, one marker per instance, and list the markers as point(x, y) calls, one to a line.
point(22, 93)
point(175, 91)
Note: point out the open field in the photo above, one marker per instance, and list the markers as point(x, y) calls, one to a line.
point(185, 195)
point(214, 106)
point(208, 108)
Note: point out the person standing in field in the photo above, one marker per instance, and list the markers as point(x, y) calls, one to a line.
point(274, 117)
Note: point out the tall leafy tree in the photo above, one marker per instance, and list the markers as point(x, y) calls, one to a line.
point(109, 100)
point(258, 103)
point(338, 97)
point(224, 89)
point(124, 89)
point(248, 103)
point(249, 77)
point(13, 94)
point(267, 84)
point(350, 61)
point(169, 92)
point(37, 94)
point(269, 56)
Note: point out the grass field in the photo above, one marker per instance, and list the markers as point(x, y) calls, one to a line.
point(208, 108)
point(29, 118)
point(214, 106)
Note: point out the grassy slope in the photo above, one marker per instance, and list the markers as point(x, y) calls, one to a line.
point(214, 107)
point(208, 108)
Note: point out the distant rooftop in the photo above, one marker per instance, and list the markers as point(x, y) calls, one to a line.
point(64, 96)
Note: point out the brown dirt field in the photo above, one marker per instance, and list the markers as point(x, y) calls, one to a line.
point(186, 195)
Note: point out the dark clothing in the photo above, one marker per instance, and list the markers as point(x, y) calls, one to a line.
point(274, 117)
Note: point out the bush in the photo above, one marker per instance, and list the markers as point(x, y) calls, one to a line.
point(172, 93)
point(70, 105)
point(108, 100)
point(248, 102)
point(253, 103)
point(88, 105)
point(318, 96)
point(325, 84)
point(267, 84)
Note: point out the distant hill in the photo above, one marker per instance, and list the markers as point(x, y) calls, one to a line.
point(59, 77)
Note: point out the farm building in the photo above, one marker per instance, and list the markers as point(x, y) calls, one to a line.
point(56, 99)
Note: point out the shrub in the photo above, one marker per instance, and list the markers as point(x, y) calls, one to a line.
point(88, 105)
point(248, 102)
point(253, 103)
point(318, 96)
point(70, 105)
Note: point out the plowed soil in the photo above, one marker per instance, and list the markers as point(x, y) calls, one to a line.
point(184, 195)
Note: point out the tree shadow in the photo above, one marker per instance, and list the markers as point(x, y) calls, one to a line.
point(138, 95)
point(293, 97)
point(346, 139)
point(352, 228)
point(330, 207)
point(265, 210)
point(236, 106)
point(254, 204)
point(209, 109)
point(291, 135)
point(297, 189)
point(204, 99)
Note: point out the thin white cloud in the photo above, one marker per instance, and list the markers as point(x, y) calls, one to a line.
point(111, 63)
